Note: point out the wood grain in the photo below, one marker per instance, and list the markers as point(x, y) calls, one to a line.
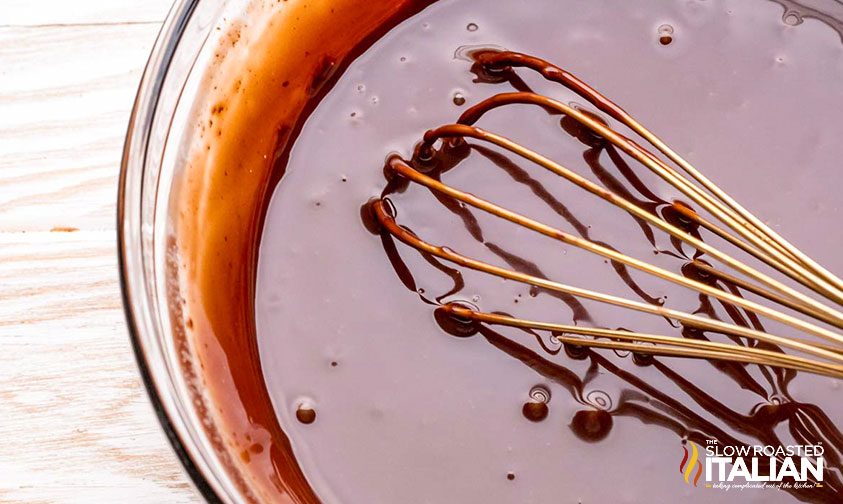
point(63, 12)
point(75, 422)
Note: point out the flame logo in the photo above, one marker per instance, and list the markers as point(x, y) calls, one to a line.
point(694, 462)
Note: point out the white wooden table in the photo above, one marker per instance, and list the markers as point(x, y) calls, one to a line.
point(75, 422)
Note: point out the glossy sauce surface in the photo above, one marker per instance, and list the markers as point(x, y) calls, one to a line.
point(255, 92)
point(381, 404)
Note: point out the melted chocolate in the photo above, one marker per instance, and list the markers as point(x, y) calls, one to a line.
point(347, 318)
point(238, 153)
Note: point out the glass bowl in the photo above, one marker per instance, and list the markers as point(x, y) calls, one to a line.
point(184, 231)
point(162, 133)
point(142, 203)
point(160, 137)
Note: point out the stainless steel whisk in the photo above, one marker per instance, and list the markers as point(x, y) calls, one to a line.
point(819, 351)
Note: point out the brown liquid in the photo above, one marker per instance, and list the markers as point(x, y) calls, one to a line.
point(402, 411)
point(239, 153)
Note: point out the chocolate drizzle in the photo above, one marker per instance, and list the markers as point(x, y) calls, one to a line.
point(807, 423)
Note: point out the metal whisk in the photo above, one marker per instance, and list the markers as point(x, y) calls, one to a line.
point(819, 349)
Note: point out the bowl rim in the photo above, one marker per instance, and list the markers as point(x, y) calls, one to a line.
point(134, 147)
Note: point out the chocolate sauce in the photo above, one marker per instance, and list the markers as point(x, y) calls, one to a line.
point(253, 100)
point(380, 401)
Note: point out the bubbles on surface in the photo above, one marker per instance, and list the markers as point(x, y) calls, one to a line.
point(536, 409)
point(665, 33)
point(306, 411)
point(792, 18)
point(472, 27)
point(599, 399)
point(553, 343)
point(458, 99)
point(540, 393)
point(665, 29)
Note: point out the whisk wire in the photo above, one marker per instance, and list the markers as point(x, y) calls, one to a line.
point(561, 330)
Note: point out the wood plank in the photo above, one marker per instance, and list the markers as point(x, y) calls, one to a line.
point(63, 115)
point(63, 12)
point(76, 423)
point(76, 420)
